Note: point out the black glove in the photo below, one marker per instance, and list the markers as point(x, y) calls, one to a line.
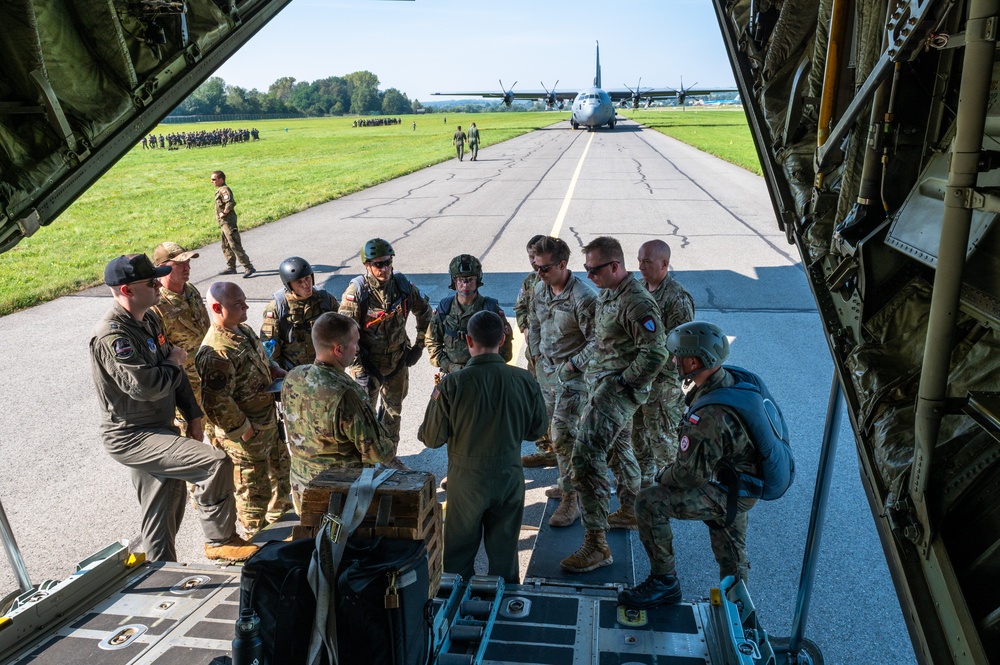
point(413, 355)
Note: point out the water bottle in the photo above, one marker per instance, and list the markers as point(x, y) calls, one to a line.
point(269, 347)
point(248, 648)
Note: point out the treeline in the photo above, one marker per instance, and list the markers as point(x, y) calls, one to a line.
point(355, 93)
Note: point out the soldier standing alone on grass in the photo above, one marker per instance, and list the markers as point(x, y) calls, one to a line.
point(225, 214)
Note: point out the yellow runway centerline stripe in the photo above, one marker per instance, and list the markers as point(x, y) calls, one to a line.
point(557, 227)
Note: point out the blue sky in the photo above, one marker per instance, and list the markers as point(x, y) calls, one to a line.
point(438, 45)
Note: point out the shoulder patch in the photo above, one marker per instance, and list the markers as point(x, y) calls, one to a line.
point(693, 419)
point(649, 323)
point(151, 344)
point(685, 443)
point(268, 314)
point(349, 297)
point(215, 381)
point(161, 339)
point(435, 393)
point(122, 348)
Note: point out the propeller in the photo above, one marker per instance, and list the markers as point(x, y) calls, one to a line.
point(508, 94)
point(550, 95)
point(636, 94)
point(683, 92)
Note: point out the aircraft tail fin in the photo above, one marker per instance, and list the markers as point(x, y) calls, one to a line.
point(597, 78)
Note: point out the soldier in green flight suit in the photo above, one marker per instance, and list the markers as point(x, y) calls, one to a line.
point(483, 414)
point(446, 333)
point(330, 420)
point(379, 302)
point(235, 375)
point(473, 142)
point(288, 319)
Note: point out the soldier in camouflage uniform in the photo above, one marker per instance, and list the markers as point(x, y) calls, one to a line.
point(561, 331)
point(544, 455)
point(379, 302)
point(182, 311)
point(288, 319)
point(709, 441)
point(654, 424)
point(235, 375)
point(628, 353)
point(225, 213)
point(330, 420)
point(446, 333)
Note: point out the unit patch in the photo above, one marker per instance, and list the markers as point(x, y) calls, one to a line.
point(693, 419)
point(649, 323)
point(435, 393)
point(161, 340)
point(151, 344)
point(215, 381)
point(122, 348)
point(685, 443)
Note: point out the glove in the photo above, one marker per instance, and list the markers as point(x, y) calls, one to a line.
point(362, 380)
point(413, 355)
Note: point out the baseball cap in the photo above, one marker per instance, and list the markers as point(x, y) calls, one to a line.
point(132, 268)
point(171, 251)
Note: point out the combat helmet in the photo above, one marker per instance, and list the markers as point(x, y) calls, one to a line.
point(465, 265)
point(375, 248)
point(701, 340)
point(293, 268)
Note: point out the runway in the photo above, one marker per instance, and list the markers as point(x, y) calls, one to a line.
point(66, 499)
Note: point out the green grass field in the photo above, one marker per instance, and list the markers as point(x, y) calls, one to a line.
point(155, 195)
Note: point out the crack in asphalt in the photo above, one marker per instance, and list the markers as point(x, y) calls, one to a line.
point(409, 193)
point(642, 176)
point(685, 241)
point(579, 240)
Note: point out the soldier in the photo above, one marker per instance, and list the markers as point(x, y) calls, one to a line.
point(711, 440)
point(235, 375)
point(628, 353)
point(225, 213)
point(544, 455)
point(654, 424)
point(561, 333)
point(181, 311)
point(473, 142)
point(288, 319)
point(330, 420)
point(458, 140)
point(379, 302)
point(446, 333)
point(484, 413)
point(139, 380)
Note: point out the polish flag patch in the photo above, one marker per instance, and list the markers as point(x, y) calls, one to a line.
point(693, 419)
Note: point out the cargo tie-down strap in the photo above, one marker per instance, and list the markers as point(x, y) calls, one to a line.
point(330, 544)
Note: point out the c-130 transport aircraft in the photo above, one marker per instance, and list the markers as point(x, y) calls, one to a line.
point(877, 128)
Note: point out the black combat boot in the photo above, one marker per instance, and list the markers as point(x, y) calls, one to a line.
point(656, 590)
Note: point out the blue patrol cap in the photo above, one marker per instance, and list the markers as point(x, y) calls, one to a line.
point(132, 268)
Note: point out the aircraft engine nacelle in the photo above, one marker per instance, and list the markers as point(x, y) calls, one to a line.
point(508, 98)
point(649, 102)
point(550, 100)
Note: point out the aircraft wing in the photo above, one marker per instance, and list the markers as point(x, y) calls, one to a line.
point(513, 94)
point(82, 82)
point(666, 93)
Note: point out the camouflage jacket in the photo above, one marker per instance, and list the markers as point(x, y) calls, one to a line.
point(523, 303)
point(676, 307)
point(185, 322)
point(562, 326)
point(225, 204)
point(629, 339)
point(446, 343)
point(290, 343)
point(235, 375)
point(713, 435)
point(330, 422)
point(382, 320)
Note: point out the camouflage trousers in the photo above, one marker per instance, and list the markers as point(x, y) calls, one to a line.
point(657, 505)
point(232, 245)
point(392, 393)
point(543, 445)
point(654, 431)
point(564, 402)
point(605, 438)
point(260, 474)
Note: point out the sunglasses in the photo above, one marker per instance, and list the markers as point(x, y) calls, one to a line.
point(595, 269)
point(544, 270)
point(380, 264)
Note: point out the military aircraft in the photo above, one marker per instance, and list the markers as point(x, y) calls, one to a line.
point(594, 107)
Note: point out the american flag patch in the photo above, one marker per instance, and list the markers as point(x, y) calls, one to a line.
point(693, 419)
point(435, 393)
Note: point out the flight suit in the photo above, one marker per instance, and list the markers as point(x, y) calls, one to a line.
point(458, 140)
point(138, 390)
point(331, 423)
point(235, 375)
point(289, 343)
point(654, 426)
point(484, 413)
point(185, 322)
point(628, 353)
point(473, 142)
point(686, 490)
point(225, 214)
point(446, 343)
point(381, 365)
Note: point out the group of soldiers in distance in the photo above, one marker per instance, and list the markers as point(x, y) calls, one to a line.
point(377, 122)
point(204, 138)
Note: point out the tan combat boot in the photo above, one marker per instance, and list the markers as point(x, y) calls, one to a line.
point(593, 554)
point(567, 512)
point(234, 549)
point(554, 492)
point(535, 460)
point(623, 518)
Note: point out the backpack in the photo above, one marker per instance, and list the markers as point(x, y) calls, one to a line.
point(281, 311)
point(763, 422)
point(489, 305)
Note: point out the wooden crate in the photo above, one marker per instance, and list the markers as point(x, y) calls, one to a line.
point(405, 507)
